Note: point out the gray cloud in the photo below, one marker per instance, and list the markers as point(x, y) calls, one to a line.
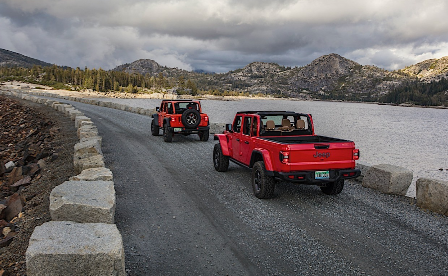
point(226, 34)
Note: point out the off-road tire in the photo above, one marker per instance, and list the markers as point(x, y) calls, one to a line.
point(191, 118)
point(154, 129)
point(204, 135)
point(220, 161)
point(262, 184)
point(167, 134)
point(333, 188)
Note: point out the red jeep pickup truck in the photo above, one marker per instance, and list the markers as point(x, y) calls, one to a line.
point(282, 145)
point(180, 117)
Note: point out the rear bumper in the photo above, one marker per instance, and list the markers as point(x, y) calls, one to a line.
point(307, 177)
point(183, 130)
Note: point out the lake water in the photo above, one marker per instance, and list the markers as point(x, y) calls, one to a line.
point(410, 137)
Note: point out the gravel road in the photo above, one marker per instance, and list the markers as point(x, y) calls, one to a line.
point(178, 216)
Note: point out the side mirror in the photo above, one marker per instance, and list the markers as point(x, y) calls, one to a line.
point(229, 127)
point(157, 108)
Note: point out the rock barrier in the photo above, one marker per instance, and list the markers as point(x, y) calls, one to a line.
point(388, 179)
point(82, 239)
point(94, 174)
point(83, 201)
point(69, 248)
point(432, 195)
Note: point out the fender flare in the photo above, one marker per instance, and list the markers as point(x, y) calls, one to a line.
point(266, 158)
point(223, 143)
point(166, 121)
point(155, 117)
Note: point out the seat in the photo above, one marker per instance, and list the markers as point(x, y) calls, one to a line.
point(270, 125)
point(177, 109)
point(300, 124)
point(286, 125)
point(254, 129)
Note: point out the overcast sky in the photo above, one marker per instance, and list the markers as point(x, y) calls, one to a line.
point(223, 35)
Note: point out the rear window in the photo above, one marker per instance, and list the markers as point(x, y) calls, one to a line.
point(284, 125)
point(278, 119)
point(182, 106)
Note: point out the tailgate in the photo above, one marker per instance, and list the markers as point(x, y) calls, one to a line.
point(321, 156)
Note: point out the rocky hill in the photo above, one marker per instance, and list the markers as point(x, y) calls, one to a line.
point(331, 76)
point(338, 75)
point(12, 59)
point(429, 70)
point(150, 67)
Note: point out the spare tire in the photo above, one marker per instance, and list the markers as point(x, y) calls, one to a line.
point(191, 118)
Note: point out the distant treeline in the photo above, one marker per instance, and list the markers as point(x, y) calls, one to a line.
point(96, 79)
point(434, 93)
point(414, 92)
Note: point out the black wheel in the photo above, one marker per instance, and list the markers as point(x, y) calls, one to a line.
point(333, 188)
point(154, 129)
point(203, 135)
point(220, 161)
point(191, 118)
point(167, 134)
point(262, 184)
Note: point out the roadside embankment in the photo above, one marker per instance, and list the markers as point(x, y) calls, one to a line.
point(82, 238)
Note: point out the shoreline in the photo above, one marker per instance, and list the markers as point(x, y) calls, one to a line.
point(162, 96)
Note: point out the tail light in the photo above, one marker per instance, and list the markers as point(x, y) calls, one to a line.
point(284, 157)
point(206, 118)
point(355, 154)
point(173, 119)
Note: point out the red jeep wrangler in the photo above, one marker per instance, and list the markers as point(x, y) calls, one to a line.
point(180, 117)
point(282, 145)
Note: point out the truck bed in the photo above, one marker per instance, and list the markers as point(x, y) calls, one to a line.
point(303, 139)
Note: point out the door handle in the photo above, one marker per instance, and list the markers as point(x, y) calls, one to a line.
point(237, 139)
point(246, 142)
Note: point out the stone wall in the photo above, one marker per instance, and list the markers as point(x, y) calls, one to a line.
point(82, 239)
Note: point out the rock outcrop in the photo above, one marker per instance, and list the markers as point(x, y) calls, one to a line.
point(429, 70)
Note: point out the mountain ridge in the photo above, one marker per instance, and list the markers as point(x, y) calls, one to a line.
point(13, 59)
point(429, 70)
point(328, 76)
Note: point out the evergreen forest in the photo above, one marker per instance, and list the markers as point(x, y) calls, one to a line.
point(414, 92)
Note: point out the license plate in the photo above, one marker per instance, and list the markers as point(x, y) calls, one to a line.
point(322, 175)
point(177, 129)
